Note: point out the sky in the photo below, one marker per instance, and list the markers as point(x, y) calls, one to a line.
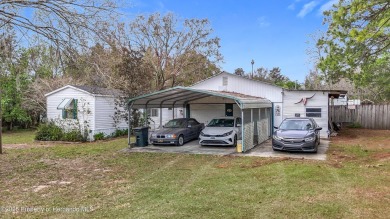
point(274, 33)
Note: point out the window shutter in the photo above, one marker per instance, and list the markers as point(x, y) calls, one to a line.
point(64, 113)
point(75, 109)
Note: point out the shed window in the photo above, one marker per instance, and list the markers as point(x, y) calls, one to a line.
point(153, 112)
point(69, 108)
point(313, 112)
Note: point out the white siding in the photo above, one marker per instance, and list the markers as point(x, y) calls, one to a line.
point(242, 85)
point(167, 115)
point(104, 116)
point(205, 112)
point(319, 100)
point(55, 99)
point(278, 118)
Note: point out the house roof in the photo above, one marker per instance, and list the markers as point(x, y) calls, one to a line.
point(234, 75)
point(331, 93)
point(178, 96)
point(99, 90)
point(92, 90)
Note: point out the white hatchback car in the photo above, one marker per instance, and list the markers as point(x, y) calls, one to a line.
point(221, 131)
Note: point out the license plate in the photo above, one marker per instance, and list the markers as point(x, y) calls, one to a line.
point(160, 140)
point(212, 137)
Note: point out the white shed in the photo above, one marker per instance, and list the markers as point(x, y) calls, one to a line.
point(308, 103)
point(91, 109)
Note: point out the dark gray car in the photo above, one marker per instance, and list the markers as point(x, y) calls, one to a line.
point(297, 134)
point(177, 132)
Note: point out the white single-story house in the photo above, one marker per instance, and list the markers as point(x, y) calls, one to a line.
point(260, 105)
point(91, 109)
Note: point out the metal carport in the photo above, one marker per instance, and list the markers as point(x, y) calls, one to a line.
point(255, 111)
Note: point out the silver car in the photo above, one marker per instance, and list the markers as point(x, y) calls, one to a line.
point(177, 132)
point(221, 131)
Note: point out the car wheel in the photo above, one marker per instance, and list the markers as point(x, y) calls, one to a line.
point(315, 150)
point(235, 141)
point(180, 140)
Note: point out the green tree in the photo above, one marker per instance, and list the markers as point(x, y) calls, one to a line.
point(199, 69)
point(313, 80)
point(239, 71)
point(275, 77)
point(66, 24)
point(14, 81)
point(171, 48)
point(357, 45)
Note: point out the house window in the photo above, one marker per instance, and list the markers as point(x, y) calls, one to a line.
point(313, 112)
point(224, 81)
point(153, 112)
point(69, 108)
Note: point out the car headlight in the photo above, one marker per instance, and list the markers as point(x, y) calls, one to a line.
point(277, 137)
point(201, 134)
point(170, 136)
point(228, 133)
point(154, 135)
point(309, 139)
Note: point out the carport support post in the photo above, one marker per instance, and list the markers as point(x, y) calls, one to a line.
point(146, 116)
point(242, 131)
point(129, 106)
point(161, 125)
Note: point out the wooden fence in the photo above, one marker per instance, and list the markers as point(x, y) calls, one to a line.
point(368, 116)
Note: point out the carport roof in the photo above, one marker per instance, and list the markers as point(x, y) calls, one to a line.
point(179, 96)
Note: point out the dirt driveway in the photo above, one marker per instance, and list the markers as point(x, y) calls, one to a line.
point(262, 150)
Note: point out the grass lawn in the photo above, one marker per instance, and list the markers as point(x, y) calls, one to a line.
point(18, 137)
point(96, 180)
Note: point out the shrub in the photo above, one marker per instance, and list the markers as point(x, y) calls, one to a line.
point(73, 135)
point(119, 132)
point(49, 132)
point(98, 136)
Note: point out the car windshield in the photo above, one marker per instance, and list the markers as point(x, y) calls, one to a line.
point(176, 123)
point(221, 123)
point(296, 125)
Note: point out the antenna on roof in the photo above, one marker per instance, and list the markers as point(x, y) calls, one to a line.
point(252, 62)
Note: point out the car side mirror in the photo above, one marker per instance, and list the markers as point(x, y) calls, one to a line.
point(319, 128)
point(238, 125)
